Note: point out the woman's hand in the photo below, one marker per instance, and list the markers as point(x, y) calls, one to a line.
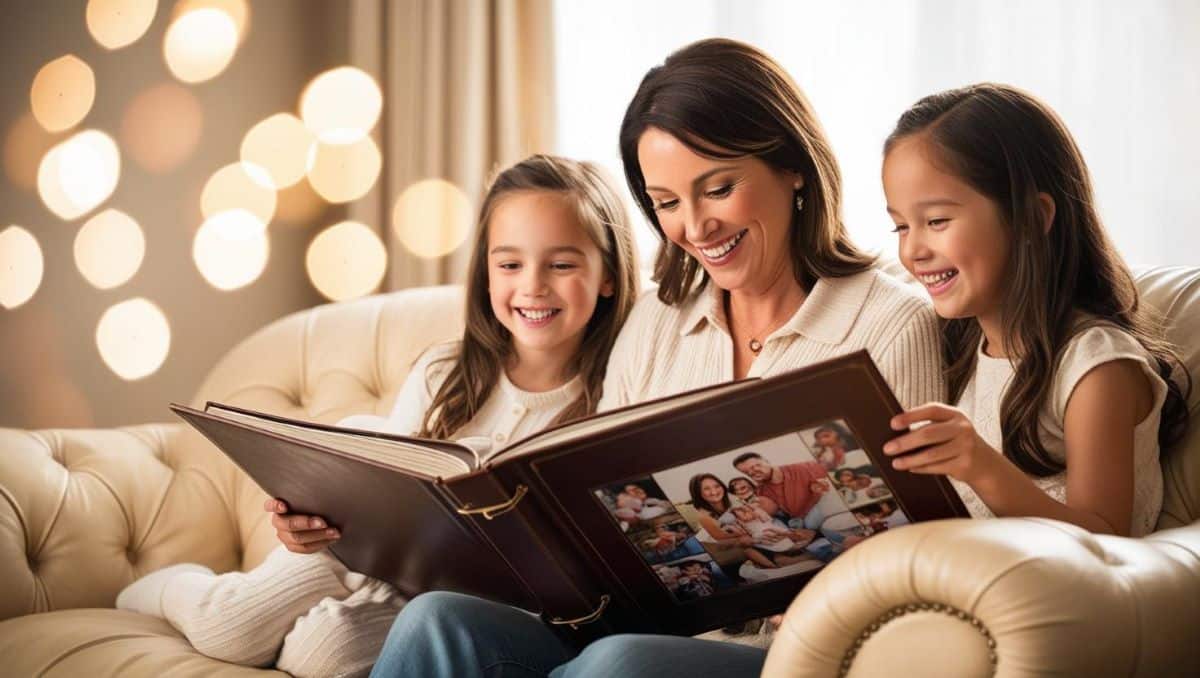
point(949, 444)
point(299, 533)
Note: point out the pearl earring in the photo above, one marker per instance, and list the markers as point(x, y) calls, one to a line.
point(799, 202)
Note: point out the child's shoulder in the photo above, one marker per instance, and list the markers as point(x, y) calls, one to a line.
point(1095, 342)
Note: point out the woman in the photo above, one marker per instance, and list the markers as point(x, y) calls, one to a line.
point(756, 277)
point(712, 501)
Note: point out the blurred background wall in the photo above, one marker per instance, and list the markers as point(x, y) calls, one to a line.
point(179, 173)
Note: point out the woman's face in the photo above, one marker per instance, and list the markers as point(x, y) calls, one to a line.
point(711, 491)
point(733, 216)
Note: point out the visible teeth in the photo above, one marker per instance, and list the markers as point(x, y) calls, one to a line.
point(935, 278)
point(539, 314)
point(721, 250)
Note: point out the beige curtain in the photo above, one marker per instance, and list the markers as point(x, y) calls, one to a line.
point(468, 87)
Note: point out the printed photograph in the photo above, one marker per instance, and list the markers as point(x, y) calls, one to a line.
point(774, 509)
point(634, 502)
point(858, 481)
point(693, 578)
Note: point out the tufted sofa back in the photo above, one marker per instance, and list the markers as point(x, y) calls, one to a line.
point(83, 513)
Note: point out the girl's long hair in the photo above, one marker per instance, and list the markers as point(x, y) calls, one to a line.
point(726, 99)
point(1010, 147)
point(487, 345)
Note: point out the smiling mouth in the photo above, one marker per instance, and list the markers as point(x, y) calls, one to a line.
point(936, 282)
point(724, 250)
point(537, 316)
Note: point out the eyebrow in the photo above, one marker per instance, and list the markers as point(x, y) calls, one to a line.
point(937, 202)
point(511, 249)
point(698, 180)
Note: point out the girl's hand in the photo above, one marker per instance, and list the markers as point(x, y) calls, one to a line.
point(299, 533)
point(949, 444)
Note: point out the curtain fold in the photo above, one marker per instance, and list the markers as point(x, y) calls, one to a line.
point(468, 87)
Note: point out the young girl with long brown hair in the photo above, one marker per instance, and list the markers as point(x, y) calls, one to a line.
point(1063, 382)
point(552, 278)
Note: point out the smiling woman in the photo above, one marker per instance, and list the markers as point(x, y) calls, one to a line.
point(756, 277)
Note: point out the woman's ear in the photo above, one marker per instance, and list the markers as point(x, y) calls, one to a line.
point(1046, 204)
point(797, 181)
point(607, 288)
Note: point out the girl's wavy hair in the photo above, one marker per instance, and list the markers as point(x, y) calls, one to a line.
point(726, 99)
point(486, 344)
point(1010, 146)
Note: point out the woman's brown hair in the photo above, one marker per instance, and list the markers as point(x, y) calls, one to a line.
point(726, 99)
point(1011, 147)
point(486, 344)
point(701, 503)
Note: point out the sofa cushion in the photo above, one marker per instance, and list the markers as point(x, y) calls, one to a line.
point(104, 643)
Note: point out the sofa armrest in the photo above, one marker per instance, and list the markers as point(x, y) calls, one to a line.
point(1005, 597)
point(85, 512)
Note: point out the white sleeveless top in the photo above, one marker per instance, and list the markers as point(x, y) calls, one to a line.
point(1087, 350)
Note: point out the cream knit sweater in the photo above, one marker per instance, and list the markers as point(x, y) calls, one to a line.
point(665, 350)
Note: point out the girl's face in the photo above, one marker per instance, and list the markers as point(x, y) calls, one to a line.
point(711, 491)
point(544, 272)
point(741, 488)
point(743, 513)
point(952, 237)
point(733, 216)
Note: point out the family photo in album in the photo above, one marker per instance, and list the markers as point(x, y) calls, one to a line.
point(769, 510)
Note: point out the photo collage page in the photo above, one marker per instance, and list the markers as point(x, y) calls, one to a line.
point(772, 509)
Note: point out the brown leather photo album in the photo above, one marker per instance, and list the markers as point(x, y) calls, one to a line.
point(678, 515)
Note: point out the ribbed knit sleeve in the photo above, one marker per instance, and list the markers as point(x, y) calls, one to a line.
point(912, 362)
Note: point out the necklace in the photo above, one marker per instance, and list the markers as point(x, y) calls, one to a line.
point(753, 343)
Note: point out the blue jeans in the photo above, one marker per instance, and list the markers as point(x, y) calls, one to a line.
point(450, 634)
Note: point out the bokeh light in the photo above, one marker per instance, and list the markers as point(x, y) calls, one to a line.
point(200, 44)
point(341, 105)
point(239, 186)
point(346, 261)
point(24, 147)
point(21, 266)
point(161, 127)
point(280, 145)
point(237, 10)
point(231, 249)
point(344, 172)
point(109, 249)
point(432, 218)
point(134, 338)
point(117, 23)
point(78, 174)
point(62, 94)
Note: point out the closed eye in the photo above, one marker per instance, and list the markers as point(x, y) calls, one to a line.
point(938, 222)
point(665, 205)
point(563, 266)
point(508, 265)
point(720, 192)
point(900, 228)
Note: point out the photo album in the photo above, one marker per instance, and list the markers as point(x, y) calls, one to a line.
point(677, 515)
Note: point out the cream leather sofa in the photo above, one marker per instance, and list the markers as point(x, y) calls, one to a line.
point(85, 512)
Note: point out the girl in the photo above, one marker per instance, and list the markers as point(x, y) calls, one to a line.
point(1063, 384)
point(552, 278)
